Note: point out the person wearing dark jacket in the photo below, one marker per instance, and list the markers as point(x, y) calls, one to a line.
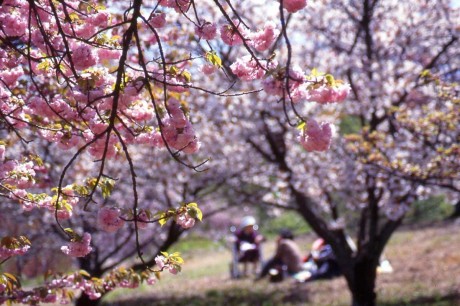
point(323, 260)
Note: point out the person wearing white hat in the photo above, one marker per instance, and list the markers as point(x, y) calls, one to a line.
point(248, 243)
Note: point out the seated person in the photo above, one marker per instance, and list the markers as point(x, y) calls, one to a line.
point(247, 243)
point(320, 263)
point(287, 255)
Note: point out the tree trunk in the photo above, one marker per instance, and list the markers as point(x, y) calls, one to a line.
point(84, 300)
point(362, 282)
point(456, 213)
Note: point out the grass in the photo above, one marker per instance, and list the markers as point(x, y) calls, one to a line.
point(426, 263)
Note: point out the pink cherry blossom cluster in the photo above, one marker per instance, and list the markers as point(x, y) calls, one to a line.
point(143, 219)
point(301, 88)
point(33, 297)
point(56, 290)
point(6, 252)
point(12, 24)
point(207, 30)
point(83, 56)
point(321, 89)
point(93, 288)
point(315, 136)
point(275, 84)
point(293, 6)
point(185, 220)
point(108, 219)
point(79, 248)
point(164, 264)
point(260, 40)
point(328, 94)
point(81, 107)
point(177, 83)
point(22, 175)
point(234, 35)
point(111, 219)
point(16, 173)
point(209, 69)
point(177, 129)
point(231, 35)
point(157, 20)
point(263, 39)
point(76, 281)
point(67, 201)
point(180, 6)
point(247, 69)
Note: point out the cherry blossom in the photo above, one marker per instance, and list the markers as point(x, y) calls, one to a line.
point(315, 136)
point(109, 219)
point(83, 57)
point(293, 6)
point(248, 69)
point(232, 36)
point(207, 30)
point(262, 40)
point(328, 94)
point(7, 251)
point(185, 220)
point(78, 248)
point(157, 20)
point(143, 219)
point(209, 69)
point(160, 261)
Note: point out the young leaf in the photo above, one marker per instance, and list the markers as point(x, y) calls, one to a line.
point(301, 125)
point(330, 79)
point(214, 59)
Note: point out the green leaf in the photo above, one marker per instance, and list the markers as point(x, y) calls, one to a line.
point(187, 76)
point(301, 125)
point(11, 277)
point(91, 182)
point(100, 7)
point(70, 232)
point(70, 294)
point(106, 186)
point(36, 159)
point(173, 70)
point(81, 190)
point(425, 73)
point(7, 242)
point(315, 72)
point(73, 17)
point(214, 59)
point(330, 79)
point(162, 218)
point(84, 273)
point(177, 259)
point(24, 240)
point(44, 65)
point(194, 211)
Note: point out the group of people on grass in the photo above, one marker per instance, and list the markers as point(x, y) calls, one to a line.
point(319, 263)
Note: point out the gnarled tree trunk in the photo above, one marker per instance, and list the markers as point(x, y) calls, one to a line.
point(84, 300)
point(361, 282)
point(456, 213)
